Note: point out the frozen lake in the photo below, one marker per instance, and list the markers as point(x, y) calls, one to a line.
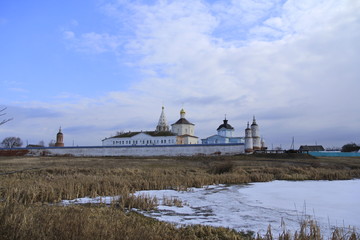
point(255, 206)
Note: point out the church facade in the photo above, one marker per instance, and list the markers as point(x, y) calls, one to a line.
point(181, 133)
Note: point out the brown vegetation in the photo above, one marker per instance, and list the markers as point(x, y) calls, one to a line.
point(29, 187)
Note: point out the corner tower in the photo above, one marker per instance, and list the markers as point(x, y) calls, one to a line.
point(59, 139)
point(255, 135)
point(248, 140)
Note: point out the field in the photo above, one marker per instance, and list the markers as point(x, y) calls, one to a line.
point(30, 187)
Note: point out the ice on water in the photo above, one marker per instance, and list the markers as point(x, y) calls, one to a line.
point(253, 207)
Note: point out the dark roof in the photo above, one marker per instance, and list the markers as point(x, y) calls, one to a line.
point(182, 121)
point(225, 125)
point(151, 133)
point(187, 135)
point(34, 145)
point(126, 134)
point(160, 133)
point(313, 148)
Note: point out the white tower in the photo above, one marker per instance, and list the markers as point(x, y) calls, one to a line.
point(162, 124)
point(255, 135)
point(248, 140)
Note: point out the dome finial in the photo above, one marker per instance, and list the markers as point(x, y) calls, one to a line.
point(254, 121)
point(182, 113)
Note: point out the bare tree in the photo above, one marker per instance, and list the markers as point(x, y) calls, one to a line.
point(120, 132)
point(52, 143)
point(2, 113)
point(41, 143)
point(11, 142)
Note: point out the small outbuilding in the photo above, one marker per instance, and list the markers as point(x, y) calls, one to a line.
point(311, 148)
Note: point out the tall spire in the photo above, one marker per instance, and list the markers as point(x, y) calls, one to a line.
point(162, 124)
point(254, 121)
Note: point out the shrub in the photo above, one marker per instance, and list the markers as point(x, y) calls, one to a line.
point(221, 168)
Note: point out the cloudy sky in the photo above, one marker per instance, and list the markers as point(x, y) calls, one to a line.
point(95, 67)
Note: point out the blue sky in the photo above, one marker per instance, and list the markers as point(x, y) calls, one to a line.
point(96, 67)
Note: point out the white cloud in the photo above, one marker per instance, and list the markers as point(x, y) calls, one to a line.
point(68, 35)
point(296, 59)
point(93, 42)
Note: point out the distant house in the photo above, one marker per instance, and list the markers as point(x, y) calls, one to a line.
point(311, 148)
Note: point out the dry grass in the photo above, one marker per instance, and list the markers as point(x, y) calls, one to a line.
point(29, 185)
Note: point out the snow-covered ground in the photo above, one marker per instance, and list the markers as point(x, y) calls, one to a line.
point(254, 206)
point(106, 200)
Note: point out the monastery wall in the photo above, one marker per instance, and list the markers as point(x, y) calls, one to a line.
point(141, 151)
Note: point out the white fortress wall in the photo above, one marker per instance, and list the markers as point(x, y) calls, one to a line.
point(169, 150)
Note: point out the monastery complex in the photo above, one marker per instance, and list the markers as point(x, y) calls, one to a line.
point(183, 132)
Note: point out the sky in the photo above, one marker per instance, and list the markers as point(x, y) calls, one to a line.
point(96, 67)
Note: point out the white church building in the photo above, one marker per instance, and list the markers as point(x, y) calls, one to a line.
point(224, 135)
point(252, 139)
point(182, 132)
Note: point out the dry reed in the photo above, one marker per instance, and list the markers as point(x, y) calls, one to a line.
point(26, 197)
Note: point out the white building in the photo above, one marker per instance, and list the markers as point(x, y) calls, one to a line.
point(141, 138)
point(184, 130)
point(225, 135)
point(161, 136)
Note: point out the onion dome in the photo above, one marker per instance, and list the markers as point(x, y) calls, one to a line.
point(225, 125)
point(254, 122)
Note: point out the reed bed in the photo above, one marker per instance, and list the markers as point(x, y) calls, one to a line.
point(31, 187)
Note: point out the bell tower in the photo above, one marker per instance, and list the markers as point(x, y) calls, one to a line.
point(59, 139)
